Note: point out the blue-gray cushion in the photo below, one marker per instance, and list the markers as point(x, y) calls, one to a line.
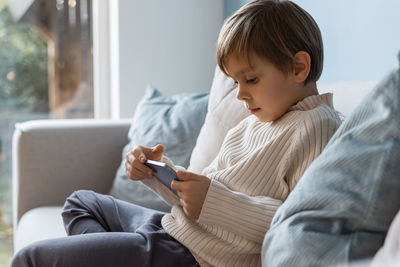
point(342, 207)
point(174, 122)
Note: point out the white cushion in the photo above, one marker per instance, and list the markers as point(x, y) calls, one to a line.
point(224, 112)
point(39, 224)
point(346, 95)
point(389, 254)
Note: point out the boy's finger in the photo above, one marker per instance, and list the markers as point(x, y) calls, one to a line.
point(182, 175)
point(135, 173)
point(136, 154)
point(143, 173)
point(157, 151)
point(179, 193)
point(137, 162)
point(176, 185)
point(188, 176)
point(158, 148)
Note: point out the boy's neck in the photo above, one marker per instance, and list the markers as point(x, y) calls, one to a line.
point(311, 88)
point(307, 90)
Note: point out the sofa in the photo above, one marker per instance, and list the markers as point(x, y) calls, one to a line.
point(53, 158)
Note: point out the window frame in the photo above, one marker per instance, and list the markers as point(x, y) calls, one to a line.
point(106, 59)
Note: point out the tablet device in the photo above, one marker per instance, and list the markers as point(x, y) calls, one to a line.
point(164, 173)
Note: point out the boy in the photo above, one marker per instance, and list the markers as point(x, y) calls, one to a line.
point(273, 51)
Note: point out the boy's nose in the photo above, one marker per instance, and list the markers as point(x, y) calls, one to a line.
point(241, 94)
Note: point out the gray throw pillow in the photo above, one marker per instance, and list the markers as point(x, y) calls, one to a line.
point(174, 122)
point(342, 208)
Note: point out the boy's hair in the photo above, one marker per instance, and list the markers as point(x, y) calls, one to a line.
point(275, 30)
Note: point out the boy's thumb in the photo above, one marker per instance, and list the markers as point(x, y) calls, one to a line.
point(158, 149)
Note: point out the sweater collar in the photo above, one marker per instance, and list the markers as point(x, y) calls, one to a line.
point(313, 101)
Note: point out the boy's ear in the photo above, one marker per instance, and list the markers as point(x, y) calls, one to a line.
point(302, 66)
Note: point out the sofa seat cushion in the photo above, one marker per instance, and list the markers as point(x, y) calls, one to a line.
point(39, 224)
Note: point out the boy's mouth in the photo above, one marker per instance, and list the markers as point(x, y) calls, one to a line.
point(254, 110)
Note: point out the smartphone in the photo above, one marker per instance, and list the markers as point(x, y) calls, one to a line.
point(164, 173)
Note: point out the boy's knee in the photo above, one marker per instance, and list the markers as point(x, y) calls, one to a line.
point(76, 198)
point(27, 256)
point(75, 206)
point(20, 259)
point(76, 201)
point(82, 192)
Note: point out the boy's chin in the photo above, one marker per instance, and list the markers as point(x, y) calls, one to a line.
point(260, 118)
point(264, 118)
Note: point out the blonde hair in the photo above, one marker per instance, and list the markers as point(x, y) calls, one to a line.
point(274, 30)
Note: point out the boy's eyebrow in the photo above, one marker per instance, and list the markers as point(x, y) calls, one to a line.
point(243, 71)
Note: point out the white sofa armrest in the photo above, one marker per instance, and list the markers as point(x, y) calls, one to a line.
point(53, 158)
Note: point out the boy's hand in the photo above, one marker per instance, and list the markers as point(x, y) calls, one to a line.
point(135, 169)
point(192, 191)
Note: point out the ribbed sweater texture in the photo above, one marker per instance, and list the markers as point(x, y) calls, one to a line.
point(258, 165)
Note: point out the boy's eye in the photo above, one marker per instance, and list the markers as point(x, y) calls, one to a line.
point(251, 80)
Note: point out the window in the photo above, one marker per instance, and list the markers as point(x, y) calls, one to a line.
point(46, 72)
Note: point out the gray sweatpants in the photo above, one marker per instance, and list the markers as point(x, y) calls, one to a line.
point(107, 232)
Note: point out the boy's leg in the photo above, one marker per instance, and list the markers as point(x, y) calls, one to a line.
point(107, 232)
point(89, 212)
point(156, 248)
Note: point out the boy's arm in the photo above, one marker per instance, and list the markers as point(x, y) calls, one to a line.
point(248, 216)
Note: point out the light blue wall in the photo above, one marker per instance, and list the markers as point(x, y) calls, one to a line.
point(230, 6)
point(156, 48)
point(361, 37)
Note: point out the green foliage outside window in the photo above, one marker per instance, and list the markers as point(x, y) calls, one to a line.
point(23, 90)
point(23, 66)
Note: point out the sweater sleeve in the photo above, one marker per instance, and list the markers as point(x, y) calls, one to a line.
point(237, 212)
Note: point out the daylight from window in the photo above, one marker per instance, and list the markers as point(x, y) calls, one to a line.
point(45, 73)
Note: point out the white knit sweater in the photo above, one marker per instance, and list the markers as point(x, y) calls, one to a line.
point(258, 165)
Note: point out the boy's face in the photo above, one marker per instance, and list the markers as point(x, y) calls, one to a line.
point(266, 91)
